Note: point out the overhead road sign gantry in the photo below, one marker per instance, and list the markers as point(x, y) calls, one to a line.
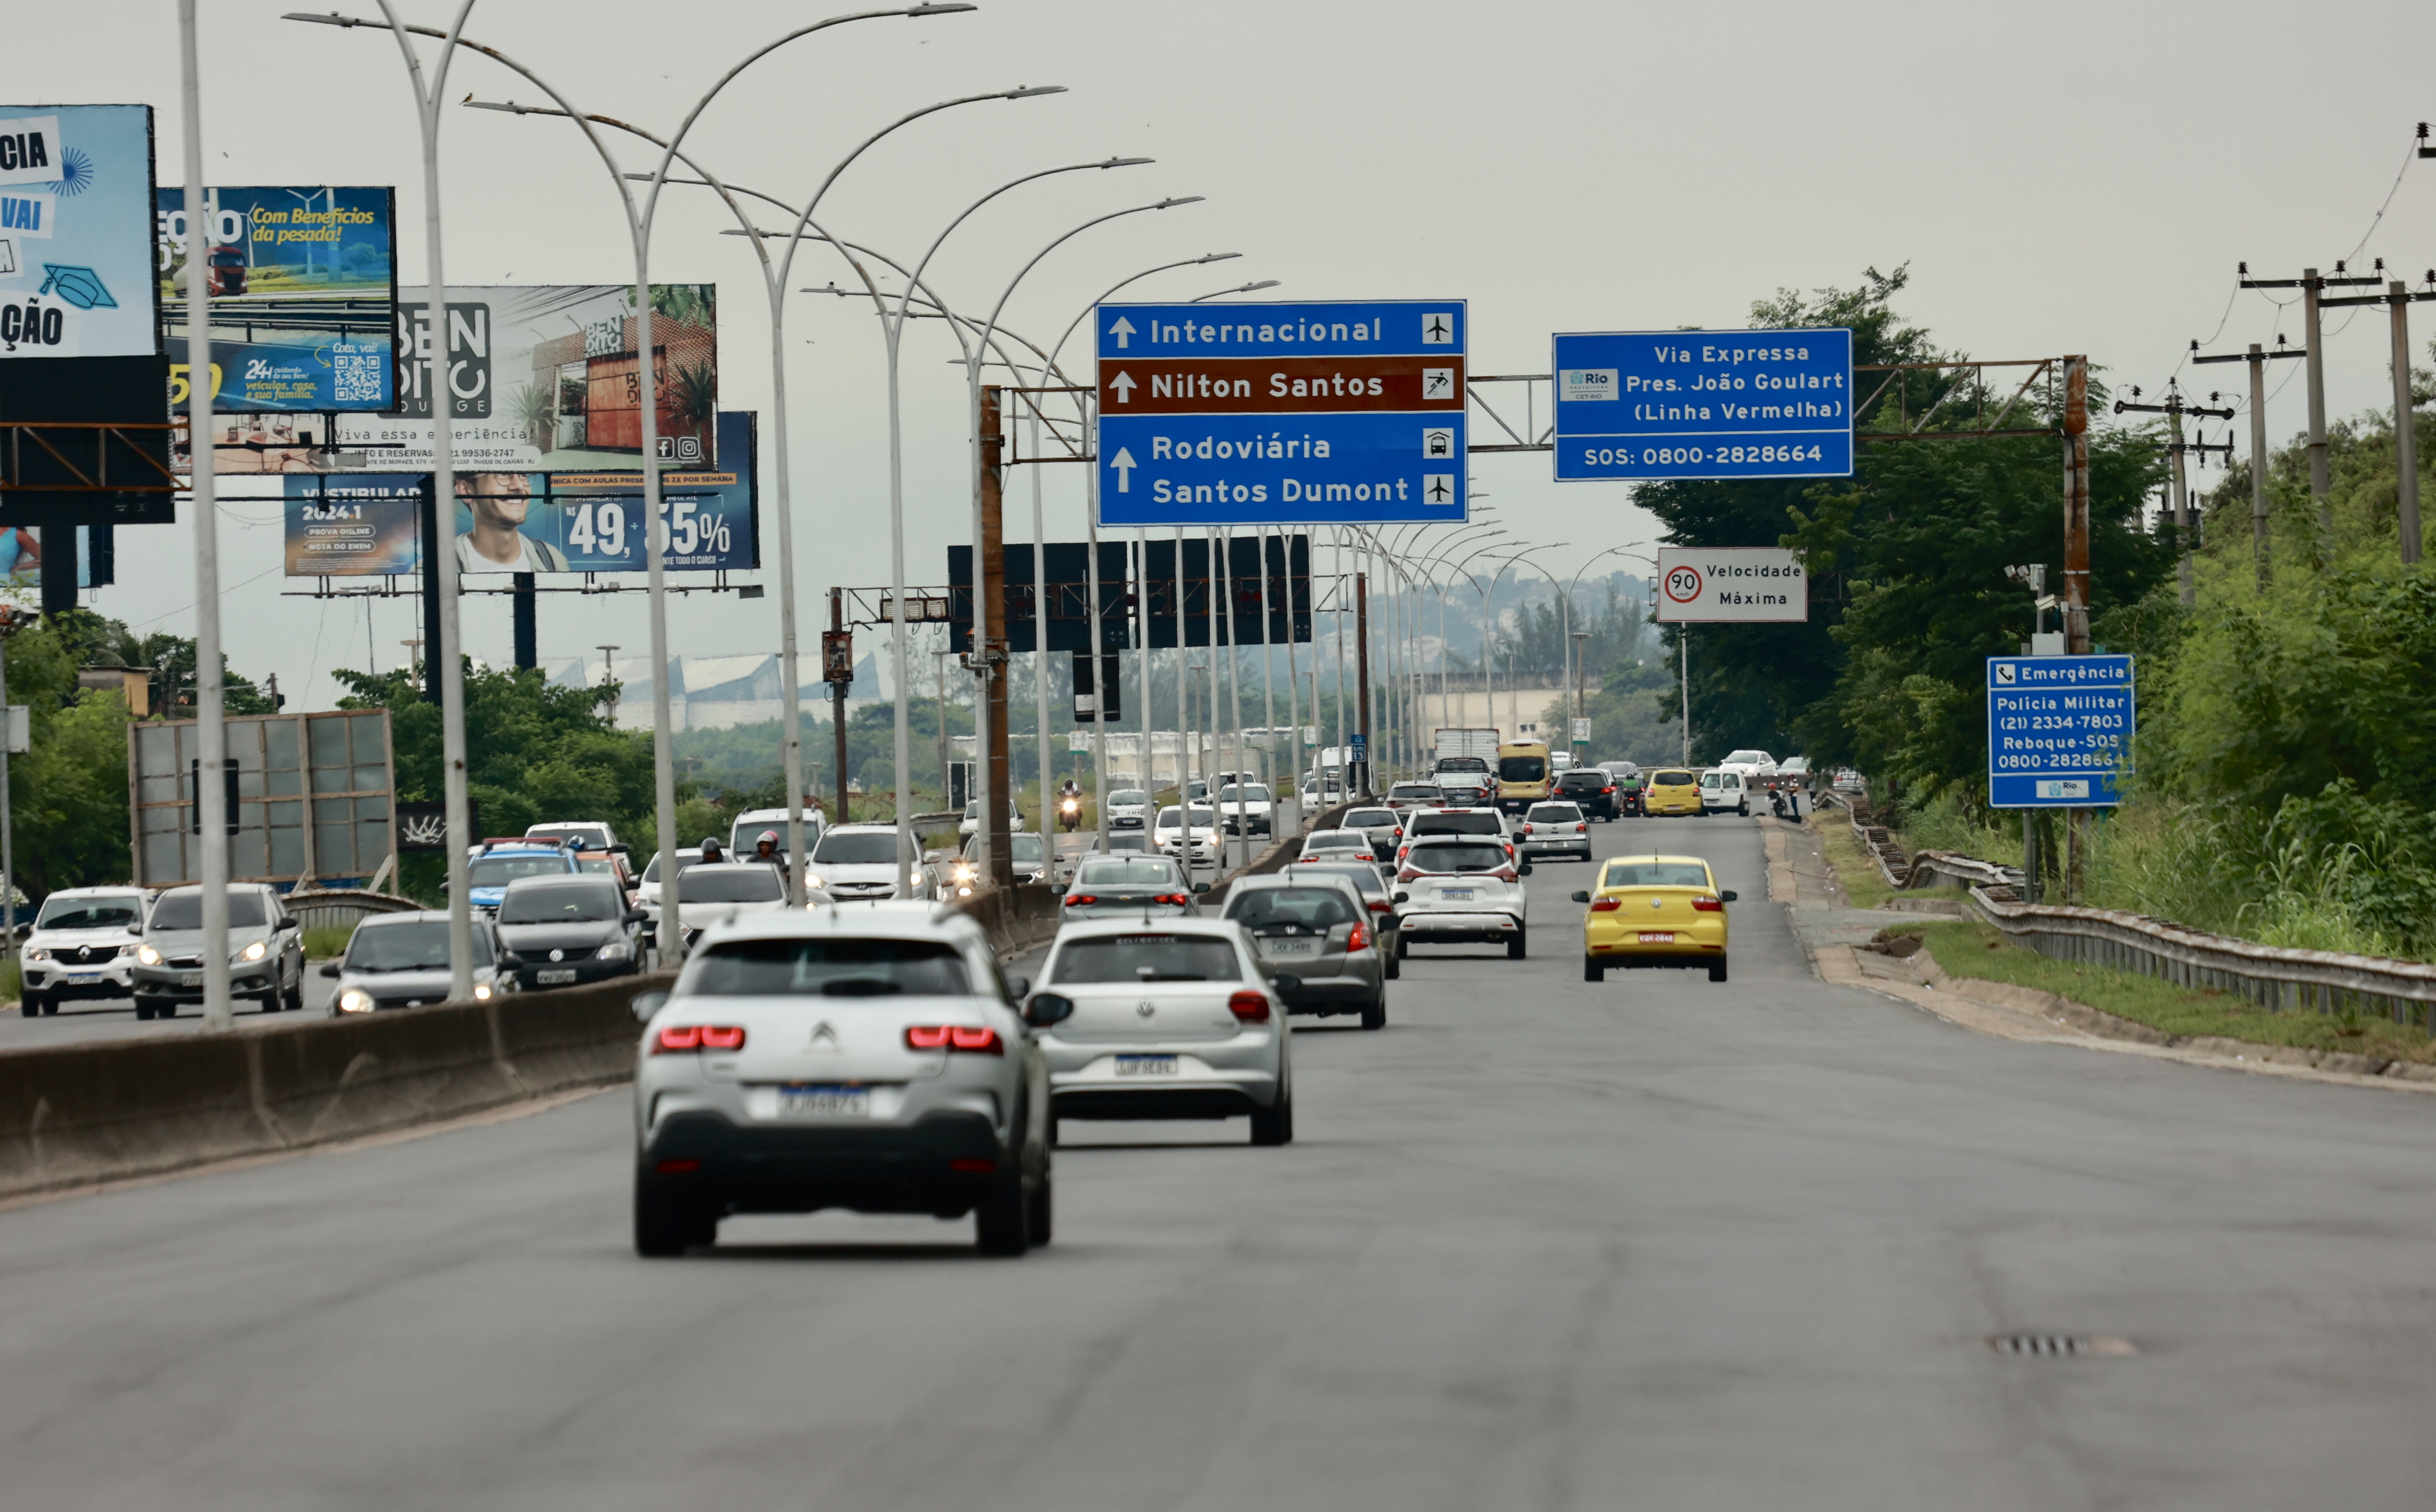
point(1319, 412)
point(1703, 404)
point(2058, 730)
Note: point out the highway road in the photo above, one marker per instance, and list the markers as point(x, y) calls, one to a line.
point(1654, 1244)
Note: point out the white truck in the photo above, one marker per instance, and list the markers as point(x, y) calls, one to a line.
point(1467, 748)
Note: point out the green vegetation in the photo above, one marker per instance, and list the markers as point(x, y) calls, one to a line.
point(327, 942)
point(1972, 949)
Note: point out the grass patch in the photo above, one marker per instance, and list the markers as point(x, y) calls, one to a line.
point(1968, 948)
point(11, 981)
point(1856, 869)
point(327, 942)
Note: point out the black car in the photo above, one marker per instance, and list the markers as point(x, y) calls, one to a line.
point(1590, 788)
point(555, 931)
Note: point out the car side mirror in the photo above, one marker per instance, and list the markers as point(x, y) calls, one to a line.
point(1017, 986)
point(1725, 897)
point(1581, 898)
point(1404, 898)
point(1524, 870)
point(1288, 986)
point(510, 960)
point(647, 1003)
point(330, 969)
point(288, 924)
point(1199, 888)
point(25, 929)
point(637, 916)
point(1047, 1009)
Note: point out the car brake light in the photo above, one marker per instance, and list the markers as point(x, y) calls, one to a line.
point(1606, 905)
point(1380, 905)
point(970, 1038)
point(1708, 904)
point(687, 1039)
point(1357, 940)
point(722, 1036)
point(1179, 899)
point(1606, 790)
point(1503, 873)
point(1250, 1007)
point(1078, 899)
point(1526, 829)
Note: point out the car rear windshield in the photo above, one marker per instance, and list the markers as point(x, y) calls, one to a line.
point(870, 847)
point(1523, 769)
point(731, 884)
point(1456, 856)
point(595, 837)
point(185, 910)
point(418, 944)
point(1747, 758)
point(1252, 792)
point(584, 902)
point(1456, 825)
point(1462, 764)
point(1655, 874)
point(1553, 814)
point(1364, 878)
point(685, 858)
point(498, 871)
point(1370, 818)
point(1573, 780)
point(1144, 872)
point(1173, 817)
point(1315, 908)
point(826, 968)
point(598, 865)
point(1672, 779)
point(1417, 791)
point(87, 913)
point(1335, 840)
point(1147, 958)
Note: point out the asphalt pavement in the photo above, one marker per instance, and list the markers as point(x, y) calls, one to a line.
point(1651, 1244)
point(85, 1019)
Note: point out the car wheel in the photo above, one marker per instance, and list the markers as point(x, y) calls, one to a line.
point(665, 1224)
point(296, 997)
point(165, 1010)
point(143, 1008)
point(999, 1222)
point(1395, 967)
point(1273, 1126)
point(1037, 1212)
point(271, 1001)
point(1374, 1015)
point(1718, 970)
point(1400, 944)
point(1593, 969)
point(29, 1005)
point(1743, 809)
point(50, 1006)
point(1515, 945)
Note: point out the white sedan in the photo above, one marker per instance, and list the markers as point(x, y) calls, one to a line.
point(1173, 835)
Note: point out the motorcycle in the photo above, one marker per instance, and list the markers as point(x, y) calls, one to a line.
point(1776, 801)
point(1069, 812)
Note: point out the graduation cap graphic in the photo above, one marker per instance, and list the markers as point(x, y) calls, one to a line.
point(80, 287)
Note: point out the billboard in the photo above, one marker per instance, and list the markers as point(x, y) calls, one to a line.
point(547, 380)
point(1712, 585)
point(76, 232)
point(304, 294)
point(368, 525)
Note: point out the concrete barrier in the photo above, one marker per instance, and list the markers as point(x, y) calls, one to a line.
point(81, 1113)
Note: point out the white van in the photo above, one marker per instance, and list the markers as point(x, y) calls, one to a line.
point(750, 823)
point(1722, 790)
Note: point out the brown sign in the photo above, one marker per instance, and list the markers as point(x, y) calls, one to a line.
point(1168, 386)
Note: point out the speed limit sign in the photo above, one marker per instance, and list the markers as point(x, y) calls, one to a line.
point(1747, 584)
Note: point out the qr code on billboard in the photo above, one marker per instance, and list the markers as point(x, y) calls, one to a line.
point(355, 375)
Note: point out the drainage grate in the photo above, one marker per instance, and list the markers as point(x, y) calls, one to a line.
point(2061, 1344)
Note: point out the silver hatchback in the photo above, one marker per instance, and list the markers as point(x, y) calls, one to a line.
point(1174, 1019)
point(1315, 927)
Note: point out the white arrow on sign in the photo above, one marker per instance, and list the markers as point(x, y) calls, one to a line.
point(1125, 385)
point(1124, 462)
point(1123, 331)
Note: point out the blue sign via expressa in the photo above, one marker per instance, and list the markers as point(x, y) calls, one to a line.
point(1250, 414)
point(1703, 404)
point(2058, 730)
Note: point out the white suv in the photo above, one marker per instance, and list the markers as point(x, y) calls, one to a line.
point(866, 1058)
point(1453, 889)
point(82, 945)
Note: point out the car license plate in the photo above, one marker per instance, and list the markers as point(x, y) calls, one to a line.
point(1290, 948)
point(190, 979)
point(551, 979)
point(83, 979)
point(1146, 1066)
point(1463, 893)
point(1658, 937)
point(809, 1101)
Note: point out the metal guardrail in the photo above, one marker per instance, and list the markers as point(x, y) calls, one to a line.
point(343, 907)
point(1922, 868)
point(2272, 977)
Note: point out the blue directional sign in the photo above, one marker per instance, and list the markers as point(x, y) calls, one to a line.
point(1703, 404)
point(1309, 412)
point(2058, 730)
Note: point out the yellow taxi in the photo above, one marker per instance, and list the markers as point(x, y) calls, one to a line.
point(1671, 790)
point(1654, 911)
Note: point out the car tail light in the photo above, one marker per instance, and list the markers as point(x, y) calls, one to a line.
point(1606, 905)
point(1179, 899)
point(1526, 829)
point(1581, 830)
point(687, 1039)
point(1708, 904)
point(1505, 873)
point(1357, 940)
point(1250, 1007)
point(1078, 899)
point(1403, 851)
point(1380, 905)
point(970, 1038)
point(972, 1166)
point(1606, 790)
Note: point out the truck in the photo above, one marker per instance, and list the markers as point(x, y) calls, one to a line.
point(1466, 748)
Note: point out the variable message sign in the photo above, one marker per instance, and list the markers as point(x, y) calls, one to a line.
point(1248, 414)
point(1703, 404)
point(2058, 730)
point(1702, 584)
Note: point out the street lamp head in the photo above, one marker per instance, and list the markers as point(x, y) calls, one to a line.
point(1126, 162)
point(945, 10)
point(1265, 283)
point(332, 19)
point(1216, 257)
point(1029, 91)
point(1172, 203)
point(512, 108)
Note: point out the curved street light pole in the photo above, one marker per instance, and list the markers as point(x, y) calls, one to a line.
point(1572, 679)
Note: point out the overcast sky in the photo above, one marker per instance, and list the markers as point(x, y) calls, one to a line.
point(2063, 178)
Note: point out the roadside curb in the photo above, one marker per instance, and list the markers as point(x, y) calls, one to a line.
point(2006, 1011)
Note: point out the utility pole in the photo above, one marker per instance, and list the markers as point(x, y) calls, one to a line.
point(2075, 573)
point(12, 619)
point(2257, 358)
point(1684, 655)
point(2313, 300)
point(608, 664)
point(2397, 298)
point(2174, 408)
point(989, 654)
point(1360, 684)
point(838, 646)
